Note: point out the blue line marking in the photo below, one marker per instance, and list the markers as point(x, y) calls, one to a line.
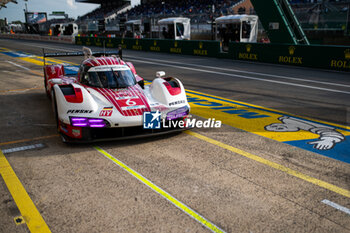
point(16, 54)
point(227, 109)
point(271, 111)
point(340, 151)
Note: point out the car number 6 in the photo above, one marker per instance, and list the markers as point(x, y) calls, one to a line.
point(130, 102)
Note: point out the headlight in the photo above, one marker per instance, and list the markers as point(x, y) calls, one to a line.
point(88, 122)
point(180, 112)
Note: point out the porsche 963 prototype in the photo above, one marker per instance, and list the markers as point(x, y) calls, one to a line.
point(105, 99)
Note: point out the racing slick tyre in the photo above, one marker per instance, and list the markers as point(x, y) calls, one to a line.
point(45, 85)
point(54, 108)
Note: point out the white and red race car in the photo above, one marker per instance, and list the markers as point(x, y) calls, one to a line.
point(107, 100)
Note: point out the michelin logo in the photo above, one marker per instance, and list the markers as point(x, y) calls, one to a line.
point(329, 136)
point(151, 120)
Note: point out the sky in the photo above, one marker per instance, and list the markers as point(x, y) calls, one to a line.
point(15, 12)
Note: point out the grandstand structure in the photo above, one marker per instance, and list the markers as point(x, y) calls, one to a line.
point(325, 14)
point(292, 17)
point(95, 21)
point(202, 13)
point(324, 22)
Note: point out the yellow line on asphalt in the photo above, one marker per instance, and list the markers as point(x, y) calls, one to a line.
point(32, 60)
point(320, 183)
point(29, 212)
point(28, 139)
point(163, 193)
point(2, 49)
point(37, 60)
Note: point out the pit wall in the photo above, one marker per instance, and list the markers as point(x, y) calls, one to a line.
point(315, 56)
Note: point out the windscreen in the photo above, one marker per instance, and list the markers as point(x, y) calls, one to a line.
point(111, 79)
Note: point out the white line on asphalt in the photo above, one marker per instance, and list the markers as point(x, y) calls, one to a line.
point(18, 65)
point(243, 76)
point(10, 72)
point(22, 148)
point(246, 72)
point(337, 206)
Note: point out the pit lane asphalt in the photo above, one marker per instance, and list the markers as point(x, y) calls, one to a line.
point(76, 189)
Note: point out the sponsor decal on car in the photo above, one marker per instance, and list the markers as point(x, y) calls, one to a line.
point(76, 132)
point(107, 111)
point(133, 107)
point(126, 97)
point(130, 102)
point(177, 102)
point(79, 111)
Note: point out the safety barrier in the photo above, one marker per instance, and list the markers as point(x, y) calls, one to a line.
point(200, 48)
point(317, 56)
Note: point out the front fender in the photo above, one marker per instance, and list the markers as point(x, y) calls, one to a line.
point(66, 107)
point(168, 94)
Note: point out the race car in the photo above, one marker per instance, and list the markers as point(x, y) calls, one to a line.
point(105, 99)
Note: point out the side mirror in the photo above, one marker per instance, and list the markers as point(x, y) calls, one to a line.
point(160, 74)
point(142, 84)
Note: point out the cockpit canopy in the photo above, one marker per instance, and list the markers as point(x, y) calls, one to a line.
point(111, 77)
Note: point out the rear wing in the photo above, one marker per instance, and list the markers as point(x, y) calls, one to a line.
point(74, 54)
